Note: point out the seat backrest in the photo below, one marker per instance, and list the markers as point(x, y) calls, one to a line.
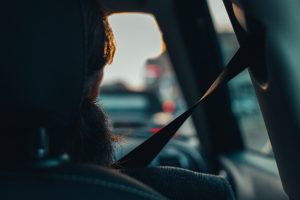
point(74, 182)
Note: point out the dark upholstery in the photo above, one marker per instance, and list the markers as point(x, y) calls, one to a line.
point(74, 182)
point(179, 184)
point(43, 57)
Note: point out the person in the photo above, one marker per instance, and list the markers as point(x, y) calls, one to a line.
point(90, 140)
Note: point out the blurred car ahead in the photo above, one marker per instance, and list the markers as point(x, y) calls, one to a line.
point(132, 112)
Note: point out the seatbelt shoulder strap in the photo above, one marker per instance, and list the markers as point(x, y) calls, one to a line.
point(142, 155)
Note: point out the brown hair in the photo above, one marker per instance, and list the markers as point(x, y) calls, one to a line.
point(90, 140)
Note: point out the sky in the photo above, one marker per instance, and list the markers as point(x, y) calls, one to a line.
point(138, 38)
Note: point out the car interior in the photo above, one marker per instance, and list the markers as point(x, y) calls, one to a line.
point(239, 141)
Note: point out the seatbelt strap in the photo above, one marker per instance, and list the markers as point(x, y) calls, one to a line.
point(142, 155)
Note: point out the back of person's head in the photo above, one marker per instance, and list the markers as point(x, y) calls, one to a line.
point(87, 137)
point(91, 139)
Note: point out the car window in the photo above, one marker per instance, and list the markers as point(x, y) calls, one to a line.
point(140, 92)
point(243, 99)
point(127, 102)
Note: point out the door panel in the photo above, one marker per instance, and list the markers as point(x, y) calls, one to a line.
point(279, 97)
point(253, 177)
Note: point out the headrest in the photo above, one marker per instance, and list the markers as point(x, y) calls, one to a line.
point(42, 59)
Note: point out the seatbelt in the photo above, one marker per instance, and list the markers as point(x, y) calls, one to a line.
point(142, 155)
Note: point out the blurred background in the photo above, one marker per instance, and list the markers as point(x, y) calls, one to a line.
point(140, 92)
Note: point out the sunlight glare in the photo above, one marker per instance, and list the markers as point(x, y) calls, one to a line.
point(138, 38)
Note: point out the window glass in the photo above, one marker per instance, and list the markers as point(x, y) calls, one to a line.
point(140, 92)
point(244, 102)
point(120, 103)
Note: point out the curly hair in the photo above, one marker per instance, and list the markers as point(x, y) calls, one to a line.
point(90, 140)
point(100, 36)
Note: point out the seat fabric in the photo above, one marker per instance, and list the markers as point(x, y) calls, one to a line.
point(178, 184)
point(71, 182)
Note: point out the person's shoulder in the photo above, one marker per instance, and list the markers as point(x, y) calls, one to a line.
point(177, 183)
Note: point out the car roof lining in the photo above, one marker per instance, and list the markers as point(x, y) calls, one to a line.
point(117, 6)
